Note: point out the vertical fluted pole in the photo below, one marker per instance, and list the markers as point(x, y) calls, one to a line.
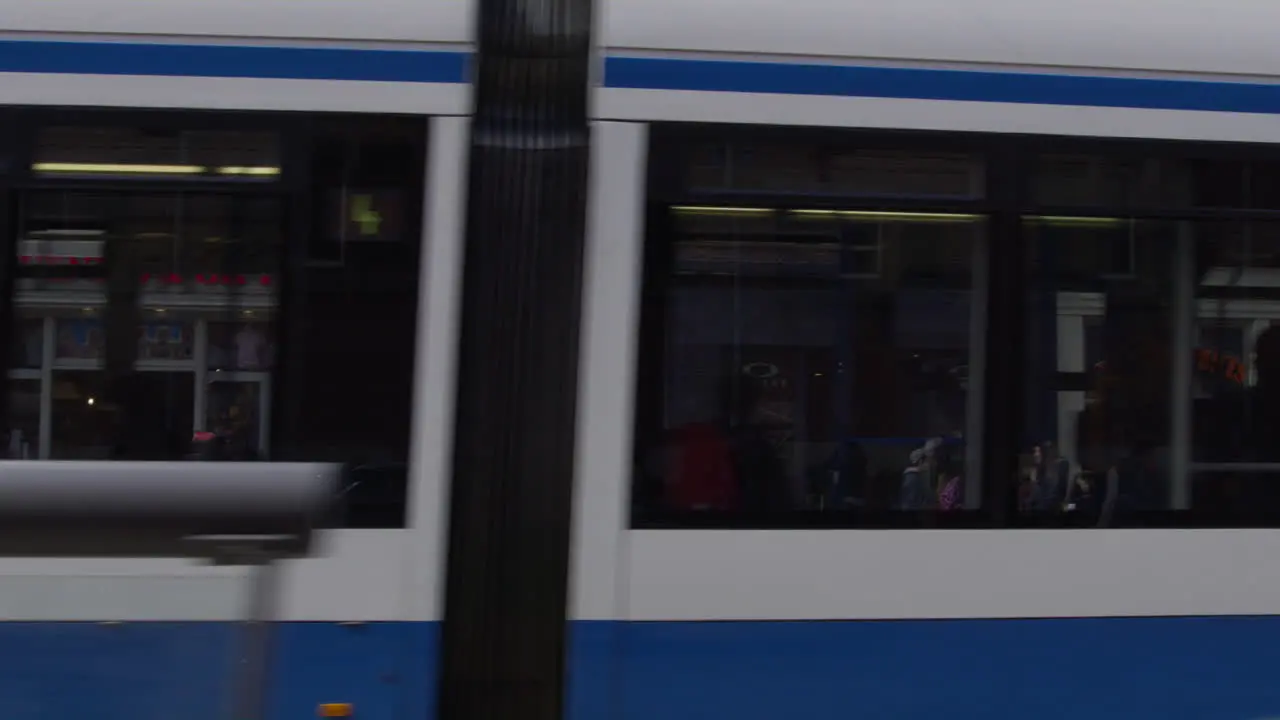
point(503, 653)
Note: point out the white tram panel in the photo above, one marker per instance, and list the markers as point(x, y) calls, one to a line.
point(355, 574)
point(399, 21)
point(287, 24)
point(1136, 35)
point(1137, 38)
point(905, 574)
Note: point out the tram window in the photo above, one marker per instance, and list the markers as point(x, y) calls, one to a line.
point(800, 362)
point(166, 285)
point(1236, 430)
point(1100, 301)
point(358, 317)
point(1176, 413)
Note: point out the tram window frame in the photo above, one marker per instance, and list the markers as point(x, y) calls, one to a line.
point(1010, 165)
point(666, 187)
point(381, 504)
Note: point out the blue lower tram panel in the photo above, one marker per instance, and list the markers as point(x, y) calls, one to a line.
point(1161, 668)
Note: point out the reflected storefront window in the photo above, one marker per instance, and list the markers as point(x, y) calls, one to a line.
point(246, 345)
point(139, 284)
point(79, 338)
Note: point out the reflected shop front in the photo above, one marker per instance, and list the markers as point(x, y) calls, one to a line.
point(864, 329)
point(247, 281)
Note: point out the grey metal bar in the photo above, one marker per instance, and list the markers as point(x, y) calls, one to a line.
point(1183, 340)
point(161, 509)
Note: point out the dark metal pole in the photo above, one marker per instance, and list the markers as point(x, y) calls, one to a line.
point(503, 645)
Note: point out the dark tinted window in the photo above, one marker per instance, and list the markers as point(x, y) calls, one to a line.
point(247, 291)
point(357, 310)
point(816, 308)
point(801, 353)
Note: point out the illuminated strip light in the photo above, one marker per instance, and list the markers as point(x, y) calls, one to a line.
point(1080, 220)
point(881, 216)
point(259, 171)
point(117, 169)
point(65, 233)
point(894, 216)
point(145, 169)
point(707, 210)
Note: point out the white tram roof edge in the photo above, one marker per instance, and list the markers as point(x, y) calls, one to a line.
point(1159, 36)
point(337, 21)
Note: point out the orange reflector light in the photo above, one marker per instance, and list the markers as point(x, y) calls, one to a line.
point(335, 710)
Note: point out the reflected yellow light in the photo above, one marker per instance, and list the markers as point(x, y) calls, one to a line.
point(1077, 220)
point(894, 216)
point(117, 169)
point(153, 169)
point(260, 171)
point(886, 216)
point(710, 210)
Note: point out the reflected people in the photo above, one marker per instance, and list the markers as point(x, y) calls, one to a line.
point(1242, 425)
point(1123, 436)
point(728, 464)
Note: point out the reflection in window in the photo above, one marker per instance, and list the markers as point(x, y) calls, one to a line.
point(154, 257)
point(247, 345)
point(810, 360)
point(189, 243)
point(345, 359)
point(23, 436)
point(83, 419)
point(1132, 181)
point(149, 419)
point(1099, 342)
point(27, 350)
point(234, 415)
point(810, 168)
point(1150, 391)
point(134, 153)
point(79, 338)
point(162, 335)
point(1235, 426)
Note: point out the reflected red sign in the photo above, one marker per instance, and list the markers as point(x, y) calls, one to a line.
point(208, 279)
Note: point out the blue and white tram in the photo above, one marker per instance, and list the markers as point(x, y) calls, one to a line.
point(839, 197)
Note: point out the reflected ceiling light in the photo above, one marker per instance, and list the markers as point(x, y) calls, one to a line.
point(259, 171)
point(899, 216)
point(65, 233)
point(116, 169)
point(882, 216)
point(1077, 220)
point(711, 210)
